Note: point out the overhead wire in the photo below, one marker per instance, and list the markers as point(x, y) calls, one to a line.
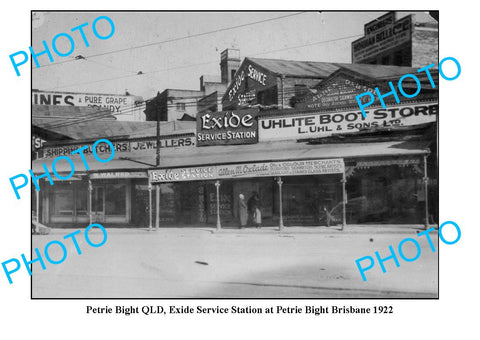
point(198, 64)
point(177, 38)
point(143, 105)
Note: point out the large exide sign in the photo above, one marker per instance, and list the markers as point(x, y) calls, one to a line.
point(227, 127)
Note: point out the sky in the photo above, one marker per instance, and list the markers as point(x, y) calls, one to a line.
point(178, 64)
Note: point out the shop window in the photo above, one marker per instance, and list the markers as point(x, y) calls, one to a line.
point(167, 202)
point(98, 199)
point(115, 199)
point(306, 200)
point(390, 194)
point(63, 203)
point(81, 200)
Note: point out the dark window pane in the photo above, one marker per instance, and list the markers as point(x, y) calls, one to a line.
point(81, 200)
point(63, 202)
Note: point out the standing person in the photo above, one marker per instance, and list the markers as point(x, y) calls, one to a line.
point(257, 215)
point(242, 211)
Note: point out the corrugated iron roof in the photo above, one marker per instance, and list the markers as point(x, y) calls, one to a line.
point(325, 69)
point(105, 129)
point(71, 111)
point(226, 154)
point(312, 69)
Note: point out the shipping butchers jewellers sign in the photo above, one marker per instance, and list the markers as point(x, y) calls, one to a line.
point(119, 146)
point(317, 125)
point(227, 127)
point(266, 169)
point(114, 103)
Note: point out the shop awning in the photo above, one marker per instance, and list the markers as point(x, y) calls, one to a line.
point(231, 154)
point(288, 150)
point(121, 162)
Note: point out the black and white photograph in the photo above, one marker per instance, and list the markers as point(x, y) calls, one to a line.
point(240, 170)
point(236, 154)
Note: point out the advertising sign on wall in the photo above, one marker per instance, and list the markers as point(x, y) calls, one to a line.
point(378, 39)
point(379, 23)
point(227, 127)
point(120, 146)
point(115, 103)
point(339, 90)
point(249, 80)
point(265, 169)
point(318, 125)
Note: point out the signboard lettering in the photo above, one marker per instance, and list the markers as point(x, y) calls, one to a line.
point(227, 127)
point(256, 75)
point(114, 103)
point(339, 91)
point(266, 169)
point(105, 175)
point(236, 85)
point(379, 40)
point(249, 82)
point(319, 125)
point(379, 23)
point(120, 146)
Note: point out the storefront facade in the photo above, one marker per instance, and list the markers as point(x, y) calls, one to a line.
point(116, 193)
point(389, 160)
point(321, 163)
point(209, 194)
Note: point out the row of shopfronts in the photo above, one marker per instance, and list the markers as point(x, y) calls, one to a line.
point(320, 163)
point(299, 182)
point(393, 194)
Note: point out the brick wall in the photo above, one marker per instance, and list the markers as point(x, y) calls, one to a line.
point(424, 47)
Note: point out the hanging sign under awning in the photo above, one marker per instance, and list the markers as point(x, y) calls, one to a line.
point(117, 175)
point(248, 170)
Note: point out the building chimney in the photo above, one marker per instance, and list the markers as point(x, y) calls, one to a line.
point(229, 64)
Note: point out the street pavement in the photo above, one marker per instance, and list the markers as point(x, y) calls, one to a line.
point(298, 262)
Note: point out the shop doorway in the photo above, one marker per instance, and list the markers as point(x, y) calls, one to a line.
point(110, 202)
point(98, 203)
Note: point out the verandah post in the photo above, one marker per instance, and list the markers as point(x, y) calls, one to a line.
point(425, 184)
point(280, 182)
point(90, 190)
point(157, 204)
point(217, 186)
point(344, 200)
point(149, 206)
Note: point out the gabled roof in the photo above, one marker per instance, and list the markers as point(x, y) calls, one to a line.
point(313, 69)
point(318, 69)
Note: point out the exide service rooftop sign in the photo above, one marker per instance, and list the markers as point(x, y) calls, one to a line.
point(227, 127)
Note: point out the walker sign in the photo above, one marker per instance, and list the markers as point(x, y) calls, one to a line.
point(317, 125)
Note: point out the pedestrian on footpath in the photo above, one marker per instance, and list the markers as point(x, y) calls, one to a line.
point(242, 211)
